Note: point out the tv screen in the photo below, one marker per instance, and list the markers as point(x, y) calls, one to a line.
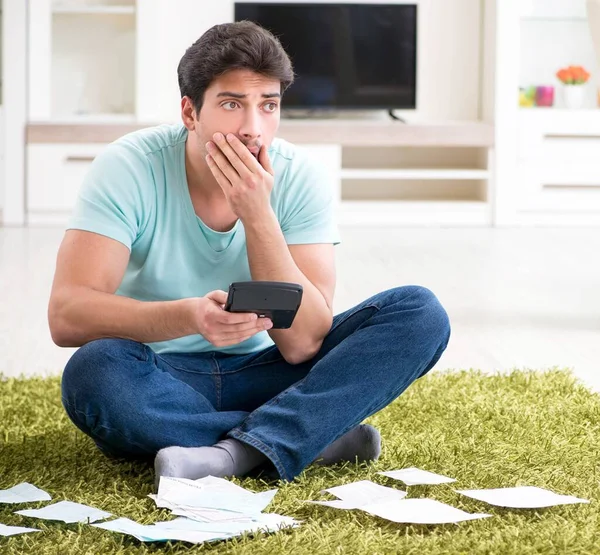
point(347, 56)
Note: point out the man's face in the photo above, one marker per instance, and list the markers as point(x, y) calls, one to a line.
point(243, 103)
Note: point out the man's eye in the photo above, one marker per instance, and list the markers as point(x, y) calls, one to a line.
point(271, 106)
point(230, 105)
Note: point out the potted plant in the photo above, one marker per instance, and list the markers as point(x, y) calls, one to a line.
point(573, 78)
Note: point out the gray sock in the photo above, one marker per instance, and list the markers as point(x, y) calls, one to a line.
point(229, 457)
point(362, 443)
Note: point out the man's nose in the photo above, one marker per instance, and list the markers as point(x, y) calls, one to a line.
point(251, 126)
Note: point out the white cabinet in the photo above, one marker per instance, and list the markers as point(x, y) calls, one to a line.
point(558, 167)
point(55, 173)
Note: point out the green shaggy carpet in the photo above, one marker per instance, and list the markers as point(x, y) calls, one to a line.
point(523, 428)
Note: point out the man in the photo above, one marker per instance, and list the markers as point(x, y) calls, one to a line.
point(167, 218)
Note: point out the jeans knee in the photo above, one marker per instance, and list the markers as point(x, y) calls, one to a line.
point(91, 368)
point(436, 317)
point(432, 316)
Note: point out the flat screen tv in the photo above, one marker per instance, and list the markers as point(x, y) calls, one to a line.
point(345, 56)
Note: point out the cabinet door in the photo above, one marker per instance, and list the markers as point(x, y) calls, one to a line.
point(559, 188)
point(54, 175)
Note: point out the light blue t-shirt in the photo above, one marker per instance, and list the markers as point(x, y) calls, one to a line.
point(136, 192)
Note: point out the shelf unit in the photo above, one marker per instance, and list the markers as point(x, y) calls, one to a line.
point(385, 173)
point(416, 185)
point(82, 59)
point(548, 171)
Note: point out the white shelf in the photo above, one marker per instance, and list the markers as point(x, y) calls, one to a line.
point(414, 213)
point(416, 174)
point(101, 9)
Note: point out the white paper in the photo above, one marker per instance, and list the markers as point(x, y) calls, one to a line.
point(14, 530)
point(152, 533)
point(365, 491)
point(200, 514)
point(211, 515)
point(524, 497)
point(417, 477)
point(420, 511)
point(67, 511)
point(23, 493)
point(183, 529)
point(211, 493)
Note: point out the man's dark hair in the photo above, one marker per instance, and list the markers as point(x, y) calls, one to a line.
point(229, 46)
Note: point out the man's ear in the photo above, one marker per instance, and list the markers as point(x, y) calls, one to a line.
point(188, 113)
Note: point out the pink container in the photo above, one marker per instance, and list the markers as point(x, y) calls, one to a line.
point(544, 97)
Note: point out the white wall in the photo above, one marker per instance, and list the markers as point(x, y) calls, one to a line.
point(1, 161)
point(449, 35)
point(14, 47)
point(163, 36)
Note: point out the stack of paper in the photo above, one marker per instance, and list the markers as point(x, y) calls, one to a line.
point(209, 509)
point(193, 531)
point(153, 533)
point(210, 499)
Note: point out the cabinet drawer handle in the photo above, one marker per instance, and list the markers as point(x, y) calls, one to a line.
point(80, 158)
point(570, 136)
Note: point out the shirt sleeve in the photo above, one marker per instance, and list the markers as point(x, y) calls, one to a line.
point(114, 198)
point(309, 206)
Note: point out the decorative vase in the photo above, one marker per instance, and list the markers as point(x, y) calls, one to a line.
point(574, 96)
point(544, 97)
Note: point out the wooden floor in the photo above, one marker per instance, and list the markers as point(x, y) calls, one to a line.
point(516, 298)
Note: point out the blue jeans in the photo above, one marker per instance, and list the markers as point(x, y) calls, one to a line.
point(133, 402)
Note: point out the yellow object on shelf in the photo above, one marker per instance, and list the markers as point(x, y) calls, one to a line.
point(527, 97)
